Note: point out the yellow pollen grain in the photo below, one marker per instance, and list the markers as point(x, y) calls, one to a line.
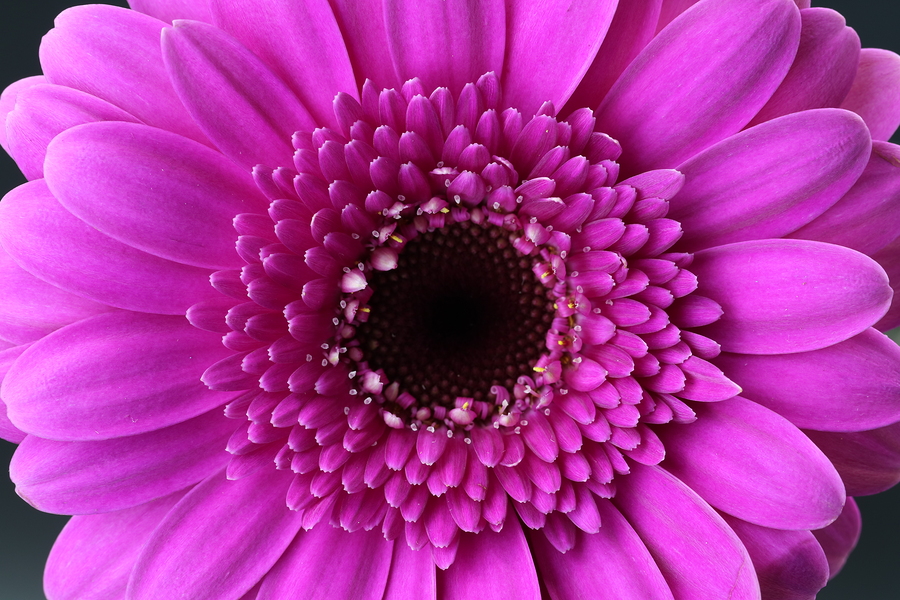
point(538, 369)
point(397, 239)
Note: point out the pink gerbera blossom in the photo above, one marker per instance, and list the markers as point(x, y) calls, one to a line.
point(500, 300)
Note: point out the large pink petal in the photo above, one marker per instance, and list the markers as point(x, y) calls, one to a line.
point(823, 70)
point(790, 564)
point(365, 33)
point(450, 43)
point(875, 94)
point(850, 386)
point(109, 176)
point(114, 54)
point(752, 463)
point(44, 111)
point(219, 541)
point(770, 179)
point(222, 84)
point(412, 576)
point(31, 308)
point(705, 76)
point(614, 560)
point(49, 242)
point(481, 561)
point(169, 10)
point(867, 218)
point(8, 102)
point(93, 556)
point(542, 65)
point(93, 477)
point(113, 375)
point(633, 26)
point(358, 562)
point(300, 41)
point(840, 538)
point(699, 555)
point(868, 461)
point(784, 296)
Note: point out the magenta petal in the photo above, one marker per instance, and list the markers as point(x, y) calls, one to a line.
point(482, 562)
point(53, 245)
point(31, 308)
point(850, 386)
point(8, 102)
point(889, 258)
point(867, 218)
point(113, 53)
point(699, 555)
point(868, 461)
point(8, 431)
point(752, 463)
point(449, 43)
point(633, 26)
point(790, 564)
point(839, 538)
point(823, 70)
point(875, 94)
point(222, 83)
point(219, 541)
point(412, 575)
point(113, 375)
point(365, 33)
point(100, 173)
point(44, 111)
point(356, 565)
point(542, 65)
point(93, 557)
point(771, 179)
point(107, 475)
point(734, 53)
point(614, 560)
point(784, 296)
point(300, 42)
point(169, 10)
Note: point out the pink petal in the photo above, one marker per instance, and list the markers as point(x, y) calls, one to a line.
point(449, 44)
point(867, 218)
point(300, 42)
point(672, 9)
point(614, 560)
point(850, 386)
point(412, 575)
point(51, 244)
point(632, 27)
point(840, 538)
point(485, 563)
point(770, 179)
point(44, 111)
point(823, 69)
point(222, 83)
point(113, 375)
point(114, 54)
point(699, 555)
point(868, 461)
point(107, 475)
point(8, 431)
point(542, 65)
point(8, 102)
point(219, 541)
point(355, 566)
point(875, 94)
point(734, 53)
point(785, 296)
point(362, 23)
point(30, 308)
point(169, 10)
point(889, 258)
point(790, 564)
point(751, 463)
point(108, 175)
point(92, 559)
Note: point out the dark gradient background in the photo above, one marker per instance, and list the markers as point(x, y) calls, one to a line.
point(26, 535)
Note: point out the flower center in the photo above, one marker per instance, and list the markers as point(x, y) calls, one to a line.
point(461, 313)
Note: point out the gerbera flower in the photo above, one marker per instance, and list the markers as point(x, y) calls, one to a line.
point(491, 310)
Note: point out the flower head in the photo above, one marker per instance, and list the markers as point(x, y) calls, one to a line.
point(480, 298)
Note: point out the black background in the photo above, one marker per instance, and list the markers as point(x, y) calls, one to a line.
point(26, 535)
